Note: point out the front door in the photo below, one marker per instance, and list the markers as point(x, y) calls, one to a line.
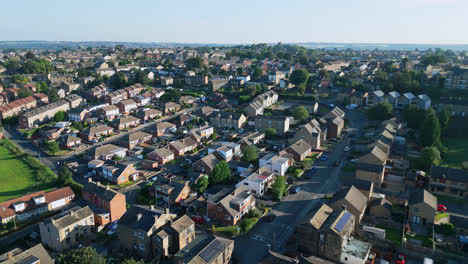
point(424, 221)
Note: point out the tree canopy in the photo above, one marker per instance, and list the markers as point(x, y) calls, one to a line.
point(194, 63)
point(59, 116)
point(381, 111)
point(430, 133)
point(38, 66)
point(221, 173)
point(299, 77)
point(250, 154)
point(270, 133)
point(278, 187)
point(84, 255)
point(300, 113)
point(24, 92)
point(430, 156)
point(414, 116)
point(202, 184)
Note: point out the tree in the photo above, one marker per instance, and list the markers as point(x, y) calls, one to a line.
point(250, 154)
point(118, 80)
point(300, 113)
point(44, 87)
point(257, 72)
point(430, 156)
point(18, 78)
point(430, 133)
point(53, 95)
point(194, 63)
point(53, 146)
point(84, 255)
point(303, 60)
point(381, 111)
point(324, 74)
point(64, 176)
point(59, 116)
point(220, 174)
point(270, 133)
point(299, 77)
point(239, 70)
point(278, 188)
point(29, 55)
point(141, 77)
point(444, 119)
point(77, 125)
point(24, 92)
point(38, 66)
point(202, 184)
point(12, 65)
point(414, 116)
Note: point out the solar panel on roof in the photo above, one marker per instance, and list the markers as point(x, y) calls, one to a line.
point(212, 250)
point(343, 221)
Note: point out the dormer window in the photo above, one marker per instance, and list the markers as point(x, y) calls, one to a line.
point(39, 199)
point(19, 206)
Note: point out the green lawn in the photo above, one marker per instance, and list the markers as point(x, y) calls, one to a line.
point(392, 234)
point(457, 152)
point(16, 177)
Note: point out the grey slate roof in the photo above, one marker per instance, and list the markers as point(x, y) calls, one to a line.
point(423, 196)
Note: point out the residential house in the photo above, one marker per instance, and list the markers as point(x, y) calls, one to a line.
point(221, 151)
point(376, 97)
point(52, 132)
point(148, 113)
point(267, 98)
point(279, 123)
point(218, 82)
point(423, 101)
point(207, 249)
point(127, 106)
point(97, 92)
point(277, 164)
point(180, 147)
point(119, 172)
point(17, 106)
point(405, 99)
point(94, 132)
point(422, 207)
point(392, 98)
point(457, 79)
point(196, 80)
point(116, 96)
point(144, 99)
point(69, 141)
point(206, 111)
point(371, 166)
point(34, 255)
point(161, 155)
point(457, 106)
point(380, 208)
point(111, 204)
point(175, 191)
point(108, 112)
point(252, 138)
point(254, 109)
point(335, 127)
point(299, 150)
point(276, 76)
point(227, 120)
point(313, 133)
point(67, 231)
point(78, 114)
point(257, 183)
point(105, 152)
point(163, 127)
point(47, 112)
point(125, 122)
point(202, 132)
point(323, 232)
point(228, 207)
point(134, 90)
point(166, 81)
point(152, 233)
point(353, 200)
point(168, 107)
point(131, 140)
point(187, 99)
point(447, 181)
point(34, 204)
point(156, 93)
point(206, 164)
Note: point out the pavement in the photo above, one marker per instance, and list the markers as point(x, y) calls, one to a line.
point(253, 246)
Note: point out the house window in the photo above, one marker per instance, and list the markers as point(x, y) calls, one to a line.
point(227, 217)
point(415, 209)
point(220, 209)
point(141, 246)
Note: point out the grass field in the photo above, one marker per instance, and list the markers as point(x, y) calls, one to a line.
point(16, 177)
point(457, 152)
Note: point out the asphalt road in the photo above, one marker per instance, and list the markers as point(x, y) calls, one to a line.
point(252, 247)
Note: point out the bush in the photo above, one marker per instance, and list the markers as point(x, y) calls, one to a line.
point(227, 230)
point(254, 213)
point(247, 223)
point(445, 229)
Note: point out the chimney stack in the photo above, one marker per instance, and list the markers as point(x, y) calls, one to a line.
point(139, 216)
point(10, 254)
point(107, 187)
point(167, 210)
point(344, 207)
point(152, 207)
point(90, 179)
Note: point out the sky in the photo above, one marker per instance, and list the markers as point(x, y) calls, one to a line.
point(237, 22)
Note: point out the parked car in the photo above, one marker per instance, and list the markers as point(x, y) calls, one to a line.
point(295, 189)
point(400, 259)
point(441, 208)
point(324, 158)
point(313, 170)
point(346, 149)
point(198, 219)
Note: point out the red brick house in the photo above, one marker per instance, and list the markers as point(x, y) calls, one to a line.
point(161, 155)
point(228, 207)
point(111, 203)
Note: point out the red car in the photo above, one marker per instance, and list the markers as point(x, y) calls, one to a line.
point(198, 219)
point(400, 259)
point(441, 208)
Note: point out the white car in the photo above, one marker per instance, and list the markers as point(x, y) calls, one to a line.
point(346, 149)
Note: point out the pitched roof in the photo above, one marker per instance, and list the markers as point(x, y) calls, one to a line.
point(106, 194)
point(30, 255)
point(140, 218)
point(71, 218)
point(376, 156)
point(450, 174)
point(182, 223)
point(300, 147)
point(96, 129)
point(163, 152)
point(353, 196)
point(423, 196)
point(135, 136)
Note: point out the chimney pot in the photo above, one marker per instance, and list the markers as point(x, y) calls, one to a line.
point(107, 187)
point(167, 210)
point(152, 207)
point(139, 216)
point(90, 179)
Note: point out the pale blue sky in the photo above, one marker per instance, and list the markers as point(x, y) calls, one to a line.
point(240, 21)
